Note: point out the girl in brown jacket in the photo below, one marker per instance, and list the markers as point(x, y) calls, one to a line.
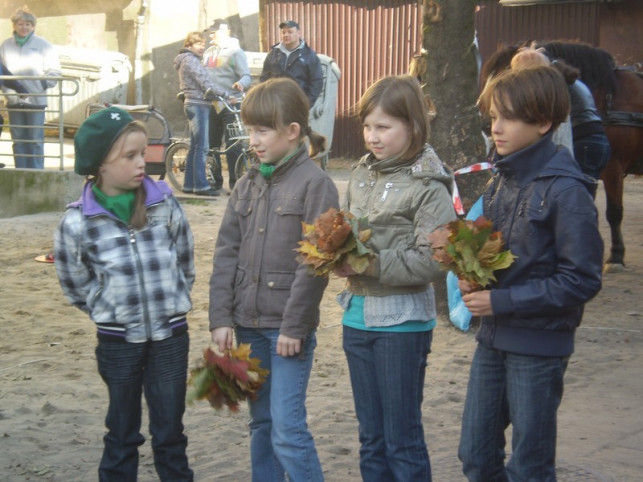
point(257, 286)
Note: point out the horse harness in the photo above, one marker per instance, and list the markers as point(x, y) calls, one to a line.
point(621, 118)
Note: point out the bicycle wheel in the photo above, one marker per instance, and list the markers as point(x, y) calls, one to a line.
point(244, 161)
point(175, 158)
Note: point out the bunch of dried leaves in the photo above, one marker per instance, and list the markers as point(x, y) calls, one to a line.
point(226, 378)
point(333, 239)
point(471, 249)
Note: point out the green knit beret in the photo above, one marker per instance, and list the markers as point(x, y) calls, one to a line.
point(96, 136)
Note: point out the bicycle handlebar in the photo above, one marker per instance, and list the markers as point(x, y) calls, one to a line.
point(225, 101)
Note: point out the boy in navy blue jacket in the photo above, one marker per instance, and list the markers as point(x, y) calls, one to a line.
point(542, 203)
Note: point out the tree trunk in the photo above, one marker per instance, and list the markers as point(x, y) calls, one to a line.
point(451, 82)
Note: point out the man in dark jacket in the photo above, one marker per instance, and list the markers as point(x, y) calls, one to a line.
point(292, 57)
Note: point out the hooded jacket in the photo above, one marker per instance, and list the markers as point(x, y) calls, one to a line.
point(134, 284)
point(194, 80)
point(403, 202)
point(256, 281)
point(541, 202)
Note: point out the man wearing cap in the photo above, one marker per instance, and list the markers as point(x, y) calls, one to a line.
point(227, 65)
point(292, 57)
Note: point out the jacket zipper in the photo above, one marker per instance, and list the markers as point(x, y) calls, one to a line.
point(141, 283)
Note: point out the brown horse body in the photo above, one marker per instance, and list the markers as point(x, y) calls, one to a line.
point(618, 94)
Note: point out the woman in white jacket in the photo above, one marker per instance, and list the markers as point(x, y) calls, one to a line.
point(25, 53)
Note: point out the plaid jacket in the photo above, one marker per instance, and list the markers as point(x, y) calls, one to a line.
point(134, 284)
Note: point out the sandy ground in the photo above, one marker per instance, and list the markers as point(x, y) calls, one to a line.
point(52, 401)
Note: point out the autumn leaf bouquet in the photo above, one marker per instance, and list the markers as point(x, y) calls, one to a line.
point(471, 250)
point(226, 378)
point(333, 239)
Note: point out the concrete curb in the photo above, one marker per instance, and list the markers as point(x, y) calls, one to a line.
point(30, 191)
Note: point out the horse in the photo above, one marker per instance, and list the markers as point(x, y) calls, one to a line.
point(618, 94)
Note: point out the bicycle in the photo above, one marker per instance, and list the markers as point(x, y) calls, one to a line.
point(176, 154)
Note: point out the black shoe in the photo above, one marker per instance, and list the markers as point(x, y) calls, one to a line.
point(207, 192)
point(2, 164)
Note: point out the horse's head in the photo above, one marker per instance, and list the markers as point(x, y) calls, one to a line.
point(500, 60)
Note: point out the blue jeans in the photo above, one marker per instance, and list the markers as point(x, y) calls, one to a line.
point(592, 153)
point(195, 179)
point(158, 368)
point(280, 442)
point(525, 391)
point(28, 142)
point(218, 130)
point(387, 376)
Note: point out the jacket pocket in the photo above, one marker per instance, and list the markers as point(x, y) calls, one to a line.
point(280, 280)
point(289, 207)
point(243, 207)
point(275, 292)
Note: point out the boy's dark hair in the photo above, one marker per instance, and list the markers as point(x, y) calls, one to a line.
point(400, 97)
point(533, 95)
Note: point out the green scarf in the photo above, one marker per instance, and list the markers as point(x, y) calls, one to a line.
point(266, 170)
point(21, 40)
point(122, 205)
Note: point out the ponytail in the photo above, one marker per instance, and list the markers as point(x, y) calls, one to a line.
point(317, 142)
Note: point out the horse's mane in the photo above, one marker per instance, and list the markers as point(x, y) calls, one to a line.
point(596, 65)
point(497, 62)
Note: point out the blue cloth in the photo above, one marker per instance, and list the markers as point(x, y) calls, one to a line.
point(387, 373)
point(195, 179)
point(459, 315)
point(28, 135)
point(533, 388)
point(159, 368)
point(280, 442)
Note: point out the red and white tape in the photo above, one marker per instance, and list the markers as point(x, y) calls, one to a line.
point(477, 167)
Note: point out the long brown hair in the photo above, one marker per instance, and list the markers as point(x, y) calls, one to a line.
point(139, 216)
point(401, 97)
point(277, 103)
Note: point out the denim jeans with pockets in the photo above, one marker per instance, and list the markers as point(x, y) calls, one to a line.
point(195, 179)
point(158, 369)
point(525, 391)
point(28, 135)
point(387, 376)
point(280, 442)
